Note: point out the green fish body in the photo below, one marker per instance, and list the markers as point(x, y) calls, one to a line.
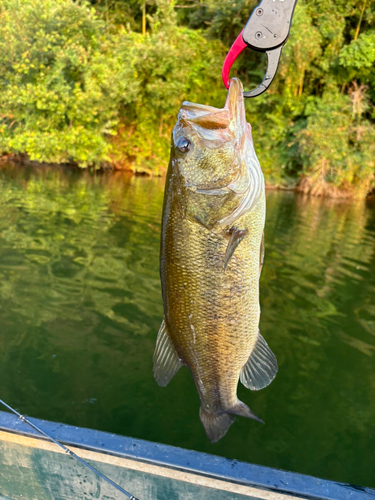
point(211, 257)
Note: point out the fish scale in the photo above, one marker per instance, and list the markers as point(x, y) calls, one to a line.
point(210, 262)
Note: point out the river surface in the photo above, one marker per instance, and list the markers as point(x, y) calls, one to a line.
point(80, 307)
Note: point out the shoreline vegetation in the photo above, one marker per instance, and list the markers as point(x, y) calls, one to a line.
point(99, 85)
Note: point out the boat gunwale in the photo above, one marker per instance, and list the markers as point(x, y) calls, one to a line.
point(197, 463)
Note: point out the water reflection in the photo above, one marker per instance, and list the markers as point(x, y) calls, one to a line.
point(80, 307)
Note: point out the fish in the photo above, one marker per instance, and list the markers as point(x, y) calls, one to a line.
point(211, 257)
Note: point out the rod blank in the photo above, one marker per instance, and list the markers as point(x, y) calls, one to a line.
point(67, 451)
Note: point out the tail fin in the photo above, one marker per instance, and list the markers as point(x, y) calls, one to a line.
point(217, 425)
point(244, 411)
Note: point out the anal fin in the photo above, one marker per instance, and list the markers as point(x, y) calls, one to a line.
point(166, 360)
point(237, 235)
point(261, 367)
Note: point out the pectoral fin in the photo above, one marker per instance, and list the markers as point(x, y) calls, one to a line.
point(235, 239)
point(261, 367)
point(166, 360)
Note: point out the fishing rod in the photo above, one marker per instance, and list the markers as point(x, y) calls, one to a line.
point(66, 450)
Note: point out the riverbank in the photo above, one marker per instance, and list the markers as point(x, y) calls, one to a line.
point(95, 88)
point(301, 186)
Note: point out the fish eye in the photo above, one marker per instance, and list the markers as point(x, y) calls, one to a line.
point(183, 144)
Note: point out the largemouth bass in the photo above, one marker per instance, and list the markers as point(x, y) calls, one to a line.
point(211, 257)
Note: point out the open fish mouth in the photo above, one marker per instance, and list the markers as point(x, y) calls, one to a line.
point(222, 161)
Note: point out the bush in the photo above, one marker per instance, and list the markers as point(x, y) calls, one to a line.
point(71, 89)
point(337, 147)
point(59, 84)
point(170, 65)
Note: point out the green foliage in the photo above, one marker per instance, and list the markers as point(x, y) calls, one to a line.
point(359, 53)
point(148, 120)
point(80, 82)
point(60, 86)
point(337, 147)
point(68, 84)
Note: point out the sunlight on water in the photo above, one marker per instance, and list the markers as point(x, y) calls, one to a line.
point(80, 307)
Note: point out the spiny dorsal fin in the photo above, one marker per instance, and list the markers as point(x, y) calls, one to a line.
point(237, 235)
point(166, 360)
point(261, 367)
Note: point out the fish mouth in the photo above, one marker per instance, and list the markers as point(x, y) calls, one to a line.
point(227, 122)
point(240, 187)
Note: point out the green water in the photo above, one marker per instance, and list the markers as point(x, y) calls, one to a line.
point(80, 307)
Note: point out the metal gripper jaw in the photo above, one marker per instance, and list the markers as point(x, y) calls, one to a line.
point(267, 30)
